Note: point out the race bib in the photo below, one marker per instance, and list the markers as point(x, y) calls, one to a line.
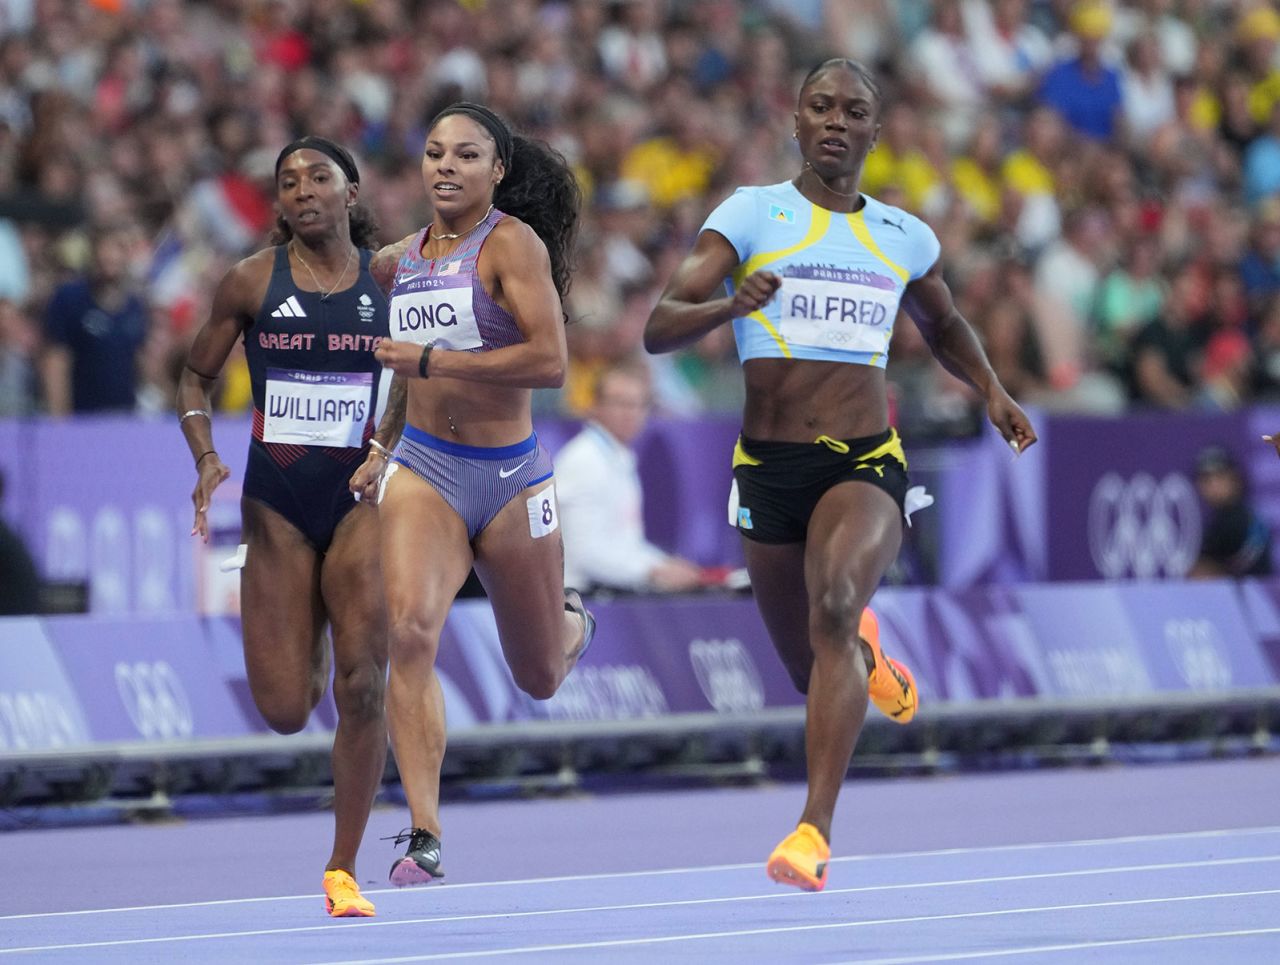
point(436, 310)
point(544, 517)
point(317, 408)
point(839, 313)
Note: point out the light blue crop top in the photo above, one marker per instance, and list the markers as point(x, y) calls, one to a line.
point(843, 275)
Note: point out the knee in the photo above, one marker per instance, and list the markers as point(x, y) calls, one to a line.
point(286, 718)
point(834, 616)
point(540, 683)
point(359, 692)
point(412, 638)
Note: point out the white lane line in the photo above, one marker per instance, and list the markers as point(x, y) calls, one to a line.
point(746, 865)
point(638, 906)
point(787, 929)
point(1037, 949)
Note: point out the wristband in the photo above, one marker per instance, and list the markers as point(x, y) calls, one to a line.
point(426, 356)
point(190, 412)
point(380, 449)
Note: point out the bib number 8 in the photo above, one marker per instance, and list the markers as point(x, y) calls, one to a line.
point(543, 518)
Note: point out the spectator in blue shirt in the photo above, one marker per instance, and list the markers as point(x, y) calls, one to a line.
point(1262, 162)
point(95, 327)
point(1083, 89)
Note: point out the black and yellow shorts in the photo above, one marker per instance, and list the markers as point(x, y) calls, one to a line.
point(778, 484)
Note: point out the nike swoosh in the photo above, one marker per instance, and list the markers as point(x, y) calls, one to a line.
point(504, 473)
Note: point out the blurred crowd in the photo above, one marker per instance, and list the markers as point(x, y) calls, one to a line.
point(1104, 176)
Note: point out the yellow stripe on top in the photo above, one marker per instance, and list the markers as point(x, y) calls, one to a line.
point(759, 316)
point(819, 223)
point(858, 224)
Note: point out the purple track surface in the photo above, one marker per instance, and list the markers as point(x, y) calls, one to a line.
point(1166, 864)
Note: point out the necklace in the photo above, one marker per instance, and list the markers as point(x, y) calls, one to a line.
point(823, 182)
point(324, 294)
point(459, 234)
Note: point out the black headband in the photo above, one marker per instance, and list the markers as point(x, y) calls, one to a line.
point(487, 119)
point(335, 152)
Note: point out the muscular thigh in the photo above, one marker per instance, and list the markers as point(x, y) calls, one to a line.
point(854, 535)
point(282, 612)
point(425, 556)
point(520, 560)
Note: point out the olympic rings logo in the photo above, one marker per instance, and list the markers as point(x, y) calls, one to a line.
point(155, 699)
point(727, 675)
point(1197, 652)
point(1143, 527)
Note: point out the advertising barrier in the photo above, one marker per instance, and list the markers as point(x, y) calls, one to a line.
point(107, 501)
point(80, 680)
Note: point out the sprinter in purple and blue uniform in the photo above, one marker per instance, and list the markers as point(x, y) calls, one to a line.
point(476, 325)
point(311, 317)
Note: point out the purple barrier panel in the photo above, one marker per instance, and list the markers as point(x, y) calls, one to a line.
point(1260, 603)
point(145, 678)
point(1194, 636)
point(974, 645)
point(650, 657)
point(686, 467)
point(619, 679)
point(473, 673)
point(1120, 494)
point(983, 646)
point(39, 709)
point(1088, 645)
point(113, 505)
point(992, 506)
point(1263, 468)
point(225, 646)
point(710, 654)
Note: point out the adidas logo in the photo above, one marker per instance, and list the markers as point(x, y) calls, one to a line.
point(289, 308)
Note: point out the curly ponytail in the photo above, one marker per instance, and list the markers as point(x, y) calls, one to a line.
point(540, 190)
point(538, 187)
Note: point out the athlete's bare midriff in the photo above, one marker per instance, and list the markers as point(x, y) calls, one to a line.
point(790, 400)
point(453, 410)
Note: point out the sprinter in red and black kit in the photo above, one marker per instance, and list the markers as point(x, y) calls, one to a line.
point(311, 316)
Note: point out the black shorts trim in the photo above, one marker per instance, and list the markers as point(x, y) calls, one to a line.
point(777, 497)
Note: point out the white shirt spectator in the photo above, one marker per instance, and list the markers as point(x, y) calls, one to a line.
point(602, 513)
point(1148, 102)
point(949, 71)
point(1009, 60)
point(601, 501)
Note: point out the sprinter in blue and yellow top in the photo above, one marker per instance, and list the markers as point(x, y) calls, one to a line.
point(817, 272)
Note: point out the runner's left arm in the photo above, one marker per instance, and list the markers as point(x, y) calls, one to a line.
point(954, 344)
